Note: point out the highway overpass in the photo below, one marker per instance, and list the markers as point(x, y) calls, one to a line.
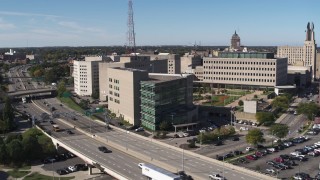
point(29, 92)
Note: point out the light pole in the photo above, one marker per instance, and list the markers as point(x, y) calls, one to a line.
point(182, 159)
point(52, 170)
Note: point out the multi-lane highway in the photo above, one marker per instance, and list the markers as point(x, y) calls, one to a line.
point(195, 165)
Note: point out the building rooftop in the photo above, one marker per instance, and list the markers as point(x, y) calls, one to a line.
point(159, 78)
point(128, 69)
point(253, 55)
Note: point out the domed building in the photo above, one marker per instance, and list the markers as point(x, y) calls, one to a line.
point(235, 41)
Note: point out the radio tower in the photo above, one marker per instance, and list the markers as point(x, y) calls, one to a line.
point(131, 40)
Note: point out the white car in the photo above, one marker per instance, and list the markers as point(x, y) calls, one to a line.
point(72, 168)
point(216, 176)
point(141, 165)
point(249, 149)
point(317, 143)
point(271, 149)
point(272, 171)
point(244, 129)
point(186, 134)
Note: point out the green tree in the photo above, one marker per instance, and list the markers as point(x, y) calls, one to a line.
point(164, 126)
point(7, 115)
point(84, 104)
point(95, 94)
point(15, 151)
point(3, 151)
point(309, 109)
point(47, 146)
point(12, 137)
point(32, 132)
point(254, 137)
point(265, 118)
point(240, 102)
point(50, 76)
point(279, 130)
point(38, 73)
point(31, 148)
point(61, 88)
point(281, 102)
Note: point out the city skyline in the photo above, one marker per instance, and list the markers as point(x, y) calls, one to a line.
point(104, 23)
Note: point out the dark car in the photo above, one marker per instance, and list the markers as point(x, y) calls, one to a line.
point(251, 157)
point(184, 176)
point(271, 163)
point(237, 152)
point(242, 160)
point(81, 167)
point(62, 171)
point(220, 158)
point(49, 160)
point(236, 139)
point(228, 155)
point(51, 122)
point(218, 143)
point(104, 149)
point(69, 132)
point(285, 156)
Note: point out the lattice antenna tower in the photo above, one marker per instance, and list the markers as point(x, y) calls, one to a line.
point(131, 40)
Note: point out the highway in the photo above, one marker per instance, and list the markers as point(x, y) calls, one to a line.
point(197, 166)
point(116, 161)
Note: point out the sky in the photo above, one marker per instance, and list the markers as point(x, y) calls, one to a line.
point(38, 23)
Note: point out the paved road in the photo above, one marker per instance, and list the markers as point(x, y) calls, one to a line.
point(194, 165)
point(117, 160)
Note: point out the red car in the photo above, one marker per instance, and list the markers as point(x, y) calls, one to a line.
point(259, 154)
point(279, 159)
point(250, 157)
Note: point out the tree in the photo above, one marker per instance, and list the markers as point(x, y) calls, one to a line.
point(32, 132)
point(240, 103)
point(12, 137)
point(3, 151)
point(61, 88)
point(15, 151)
point(279, 130)
point(83, 104)
point(31, 148)
point(38, 73)
point(7, 115)
point(281, 102)
point(254, 137)
point(309, 109)
point(47, 146)
point(164, 126)
point(265, 118)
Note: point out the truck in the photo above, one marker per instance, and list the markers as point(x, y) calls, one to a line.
point(156, 173)
point(56, 128)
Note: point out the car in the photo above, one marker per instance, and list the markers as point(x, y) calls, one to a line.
point(259, 154)
point(314, 154)
point(301, 176)
point(288, 144)
point(296, 153)
point(251, 157)
point(72, 168)
point(285, 156)
point(272, 171)
point(81, 167)
point(62, 172)
point(49, 160)
point(228, 155)
point(279, 159)
point(104, 149)
point(51, 122)
point(271, 149)
point(249, 149)
point(185, 134)
point(220, 158)
point(271, 162)
point(218, 143)
point(290, 163)
point(139, 129)
point(237, 152)
point(184, 176)
point(74, 118)
point(176, 136)
point(312, 132)
point(216, 176)
point(69, 132)
point(236, 139)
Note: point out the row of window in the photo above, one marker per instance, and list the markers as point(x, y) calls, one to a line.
point(239, 74)
point(239, 68)
point(239, 79)
point(239, 62)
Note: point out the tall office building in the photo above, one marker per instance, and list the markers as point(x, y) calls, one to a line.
point(302, 55)
point(86, 76)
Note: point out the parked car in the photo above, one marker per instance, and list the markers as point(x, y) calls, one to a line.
point(216, 176)
point(272, 171)
point(218, 143)
point(62, 172)
point(235, 139)
point(251, 157)
point(271, 162)
point(139, 129)
point(81, 167)
point(49, 160)
point(279, 159)
point(242, 160)
point(72, 168)
point(69, 132)
point(249, 149)
point(271, 149)
point(237, 152)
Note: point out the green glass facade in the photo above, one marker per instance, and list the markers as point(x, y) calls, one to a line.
point(161, 100)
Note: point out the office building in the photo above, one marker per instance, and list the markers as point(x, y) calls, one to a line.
point(86, 77)
point(245, 69)
point(123, 92)
point(189, 62)
point(167, 97)
point(302, 55)
point(300, 76)
point(172, 65)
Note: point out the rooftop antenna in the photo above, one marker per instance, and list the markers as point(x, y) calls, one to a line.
point(131, 41)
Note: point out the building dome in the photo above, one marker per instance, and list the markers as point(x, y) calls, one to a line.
point(235, 41)
point(235, 35)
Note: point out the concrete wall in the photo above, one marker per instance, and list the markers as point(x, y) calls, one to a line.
point(250, 106)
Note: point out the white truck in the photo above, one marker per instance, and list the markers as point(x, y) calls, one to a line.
point(156, 173)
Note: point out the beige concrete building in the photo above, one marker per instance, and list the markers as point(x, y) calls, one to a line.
point(86, 77)
point(133, 62)
point(189, 62)
point(245, 69)
point(304, 55)
point(173, 62)
point(123, 90)
point(318, 64)
point(299, 75)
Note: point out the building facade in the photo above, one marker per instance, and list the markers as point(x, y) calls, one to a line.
point(86, 77)
point(247, 69)
point(167, 98)
point(189, 62)
point(304, 55)
point(123, 89)
point(235, 41)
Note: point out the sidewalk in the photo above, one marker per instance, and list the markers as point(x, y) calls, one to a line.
point(244, 98)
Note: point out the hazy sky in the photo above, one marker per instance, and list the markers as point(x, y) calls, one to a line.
point(157, 22)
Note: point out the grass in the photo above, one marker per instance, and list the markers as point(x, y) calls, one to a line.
point(37, 176)
point(17, 173)
point(239, 92)
point(71, 104)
